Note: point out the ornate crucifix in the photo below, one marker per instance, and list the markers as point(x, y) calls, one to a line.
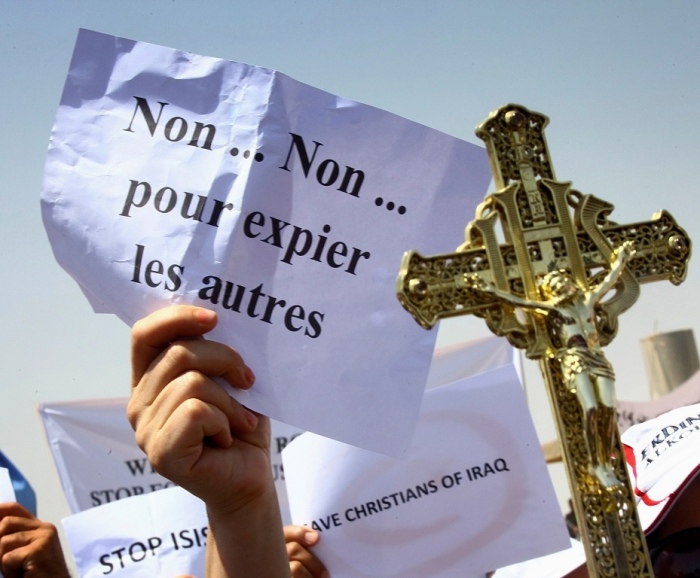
point(553, 281)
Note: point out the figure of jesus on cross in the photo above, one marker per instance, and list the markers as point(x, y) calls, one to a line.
point(570, 313)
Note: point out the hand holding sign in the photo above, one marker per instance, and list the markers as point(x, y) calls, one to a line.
point(195, 434)
point(303, 563)
point(29, 546)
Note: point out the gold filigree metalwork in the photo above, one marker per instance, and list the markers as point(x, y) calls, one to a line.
point(497, 274)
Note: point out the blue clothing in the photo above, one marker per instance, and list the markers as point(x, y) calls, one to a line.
point(24, 494)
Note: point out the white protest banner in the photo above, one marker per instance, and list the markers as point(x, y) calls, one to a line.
point(468, 358)
point(99, 462)
point(95, 452)
point(557, 565)
point(158, 534)
point(178, 178)
point(473, 496)
point(282, 435)
point(7, 492)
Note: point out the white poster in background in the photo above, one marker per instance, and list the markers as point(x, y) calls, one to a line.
point(473, 496)
point(158, 534)
point(468, 358)
point(98, 461)
point(557, 565)
point(95, 452)
point(178, 178)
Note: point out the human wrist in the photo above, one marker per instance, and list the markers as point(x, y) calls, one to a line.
point(246, 539)
point(242, 505)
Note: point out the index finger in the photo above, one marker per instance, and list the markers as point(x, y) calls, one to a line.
point(152, 333)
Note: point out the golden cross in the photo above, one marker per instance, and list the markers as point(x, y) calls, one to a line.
point(553, 280)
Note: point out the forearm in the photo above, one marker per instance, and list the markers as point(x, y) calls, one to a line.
point(248, 541)
point(202, 439)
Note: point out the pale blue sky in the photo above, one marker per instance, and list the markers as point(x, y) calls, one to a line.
point(619, 81)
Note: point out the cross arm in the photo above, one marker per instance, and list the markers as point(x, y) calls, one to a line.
point(433, 288)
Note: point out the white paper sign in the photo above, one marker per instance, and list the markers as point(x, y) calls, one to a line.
point(98, 461)
point(468, 358)
point(178, 178)
point(7, 492)
point(159, 534)
point(95, 452)
point(555, 565)
point(474, 495)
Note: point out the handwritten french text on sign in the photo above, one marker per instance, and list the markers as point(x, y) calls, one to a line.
point(159, 534)
point(473, 496)
point(178, 178)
